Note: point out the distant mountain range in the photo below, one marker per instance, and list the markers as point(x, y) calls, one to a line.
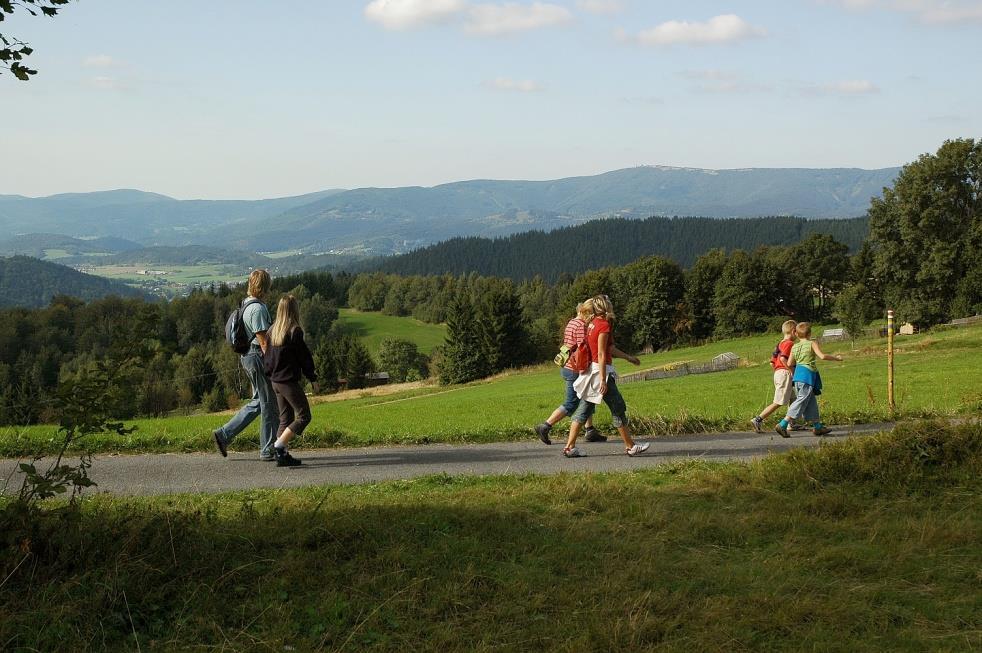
point(393, 220)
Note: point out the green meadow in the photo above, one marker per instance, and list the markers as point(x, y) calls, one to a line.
point(373, 328)
point(869, 544)
point(937, 376)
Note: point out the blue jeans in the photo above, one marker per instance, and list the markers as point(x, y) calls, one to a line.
point(615, 402)
point(806, 404)
point(569, 376)
point(263, 403)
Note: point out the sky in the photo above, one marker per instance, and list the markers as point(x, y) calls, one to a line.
point(252, 99)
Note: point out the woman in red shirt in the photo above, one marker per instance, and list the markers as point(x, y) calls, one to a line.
point(599, 384)
point(573, 335)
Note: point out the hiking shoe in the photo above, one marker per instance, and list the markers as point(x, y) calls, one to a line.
point(782, 431)
point(573, 452)
point(284, 459)
point(757, 422)
point(267, 457)
point(798, 427)
point(543, 432)
point(593, 435)
point(823, 431)
point(638, 448)
point(220, 442)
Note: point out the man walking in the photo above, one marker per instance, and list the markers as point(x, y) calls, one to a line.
point(257, 321)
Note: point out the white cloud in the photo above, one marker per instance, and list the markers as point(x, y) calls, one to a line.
point(519, 85)
point(723, 81)
point(606, 7)
point(407, 14)
point(709, 75)
point(933, 12)
point(849, 87)
point(649, 100)
point(99, 61)
point(104, 83)
point(727, 28)
point(510, 17)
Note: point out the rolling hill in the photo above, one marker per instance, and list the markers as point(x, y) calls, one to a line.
point(395, 220)
point(31, 283)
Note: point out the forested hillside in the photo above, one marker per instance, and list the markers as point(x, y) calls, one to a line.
point(616, 241)
point(28, 282)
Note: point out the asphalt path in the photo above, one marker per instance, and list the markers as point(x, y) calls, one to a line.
point(208, 472)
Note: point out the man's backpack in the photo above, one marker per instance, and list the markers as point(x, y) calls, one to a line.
point(236, 334)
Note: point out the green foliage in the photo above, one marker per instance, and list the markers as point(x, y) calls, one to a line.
point(647, 296)
point(855, 307)
point(927, 231)
point(612, 242)
point(700, 287)
point(747, 292)
point(28, 282)
point(13, 50)
point(402, 360)
point(85, 406)
point(463, 357)
point(865, 545)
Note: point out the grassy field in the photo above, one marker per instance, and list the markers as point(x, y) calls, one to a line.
point(178, 274)
point(864, 545)
point(372, 328)
point(937, 375)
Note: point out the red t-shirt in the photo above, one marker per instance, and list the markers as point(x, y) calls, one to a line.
point(783, 349)
point(597, 326)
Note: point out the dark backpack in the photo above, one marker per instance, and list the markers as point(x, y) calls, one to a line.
point(236, 334)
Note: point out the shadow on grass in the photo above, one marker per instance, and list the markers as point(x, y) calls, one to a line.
point(867, 544)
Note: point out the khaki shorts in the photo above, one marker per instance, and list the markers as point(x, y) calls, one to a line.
point(783, 388)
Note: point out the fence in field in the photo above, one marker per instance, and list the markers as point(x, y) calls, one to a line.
point(967, 321)
point(721, 363)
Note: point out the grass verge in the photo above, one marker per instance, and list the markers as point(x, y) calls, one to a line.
point(862, 545)
point(937, 376)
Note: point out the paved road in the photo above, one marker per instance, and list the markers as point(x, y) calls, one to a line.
point(174, 473)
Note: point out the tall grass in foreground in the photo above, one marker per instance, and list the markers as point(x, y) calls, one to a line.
point(864, 545)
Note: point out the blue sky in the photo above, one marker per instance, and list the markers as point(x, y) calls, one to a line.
point(258, 99)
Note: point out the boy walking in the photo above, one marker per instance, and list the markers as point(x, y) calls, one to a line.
point(257, 322)
point(807, 382)
point(783, 390)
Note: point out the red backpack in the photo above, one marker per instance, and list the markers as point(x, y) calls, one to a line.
point(580, 359)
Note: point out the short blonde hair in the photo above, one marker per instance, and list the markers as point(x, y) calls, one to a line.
point(602, 306)
point(803, 329)
point(584, 310)
point(259, 283)
point(788, 327)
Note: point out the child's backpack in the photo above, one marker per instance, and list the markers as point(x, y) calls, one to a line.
point(776, 356)
point(581, 358)
point(236, 334)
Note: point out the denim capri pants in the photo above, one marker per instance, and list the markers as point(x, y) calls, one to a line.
point(614, 401)
point(572, 401)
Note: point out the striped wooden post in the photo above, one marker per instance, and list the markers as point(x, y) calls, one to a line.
point(890, 400)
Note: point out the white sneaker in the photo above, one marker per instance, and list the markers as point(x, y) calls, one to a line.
point(638, 448)
point(573, 453)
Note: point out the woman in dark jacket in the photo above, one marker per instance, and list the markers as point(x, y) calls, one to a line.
point(287, 358)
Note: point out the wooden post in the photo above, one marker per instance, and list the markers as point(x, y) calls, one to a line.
point(890, 400)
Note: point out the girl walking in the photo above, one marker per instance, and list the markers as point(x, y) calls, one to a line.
point(287, 359)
